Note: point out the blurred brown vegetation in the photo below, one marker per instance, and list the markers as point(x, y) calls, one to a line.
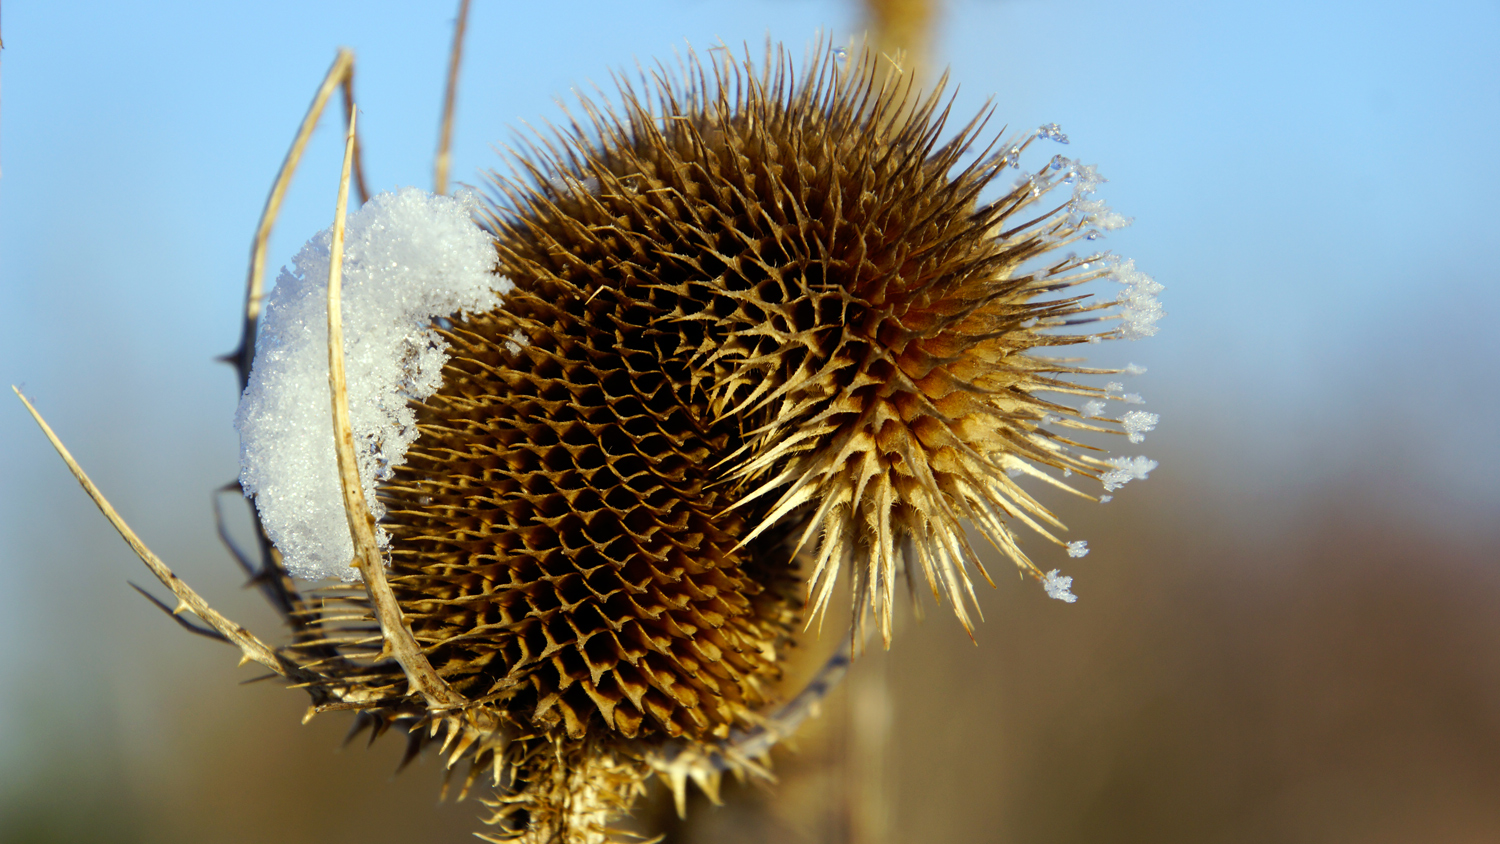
point(1241, 667)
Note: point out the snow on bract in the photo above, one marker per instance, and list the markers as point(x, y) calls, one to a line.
point(1126, 469)
point(409, 257)
point(1139, 308)
point(1059, 587)
point(1137, 422)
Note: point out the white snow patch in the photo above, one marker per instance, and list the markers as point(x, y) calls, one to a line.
point(409, 258)
point(1079, 548)
point(1134, 369)
point(1137, 423)
point(1092, 408)
point(1126, 469)
point(1059, 587)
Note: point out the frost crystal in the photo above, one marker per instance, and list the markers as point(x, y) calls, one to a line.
point(1085, 179)
point(1094, 212)
point(1139, 307)
point(1059, 587)
point(409, 258)
point(1091, 408)
point(1137, 423)
point(1126, 469)
point(1134, 369)
point(1078, 549)
point(1052, 132)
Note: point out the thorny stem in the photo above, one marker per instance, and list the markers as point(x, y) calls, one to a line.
point(252, 648)
point(341, 73)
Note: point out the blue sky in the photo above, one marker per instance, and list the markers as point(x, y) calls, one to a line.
point(1312, 182)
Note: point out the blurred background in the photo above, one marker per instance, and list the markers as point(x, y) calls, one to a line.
point(1290, 633)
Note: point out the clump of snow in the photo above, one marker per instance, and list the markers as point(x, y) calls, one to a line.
point(1105, 499)
point(1079, 548)
point(1126, 469)
point(1113, 387)
point(1059, 587)
point(1092, 408)
point(1132, 398)
point(409, 258)
point(1134, 369)
point(1139, 307)
point(1137, 423)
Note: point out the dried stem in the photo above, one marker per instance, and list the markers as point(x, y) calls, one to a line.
point(399, 641)
point(445, 139)
point(359, 156)
point(341, 73)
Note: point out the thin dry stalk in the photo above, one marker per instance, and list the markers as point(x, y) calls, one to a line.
point(341, 74)
point(445, 140)
point(399, 641)
point(251, 648)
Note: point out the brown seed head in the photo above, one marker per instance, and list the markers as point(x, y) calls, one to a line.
point(754, 314)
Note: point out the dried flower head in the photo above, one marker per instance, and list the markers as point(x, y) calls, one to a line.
point(795, 280)
point(746, 320)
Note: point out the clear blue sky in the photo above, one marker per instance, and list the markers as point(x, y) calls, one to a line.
point(1314, 184)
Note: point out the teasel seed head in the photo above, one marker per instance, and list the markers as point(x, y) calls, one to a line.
point(748, 320)
point(791, 292)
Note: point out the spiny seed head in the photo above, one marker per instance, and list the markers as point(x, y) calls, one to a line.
point(788, 293)
point(758, 318)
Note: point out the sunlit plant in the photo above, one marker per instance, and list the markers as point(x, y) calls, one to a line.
point(602, 445)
